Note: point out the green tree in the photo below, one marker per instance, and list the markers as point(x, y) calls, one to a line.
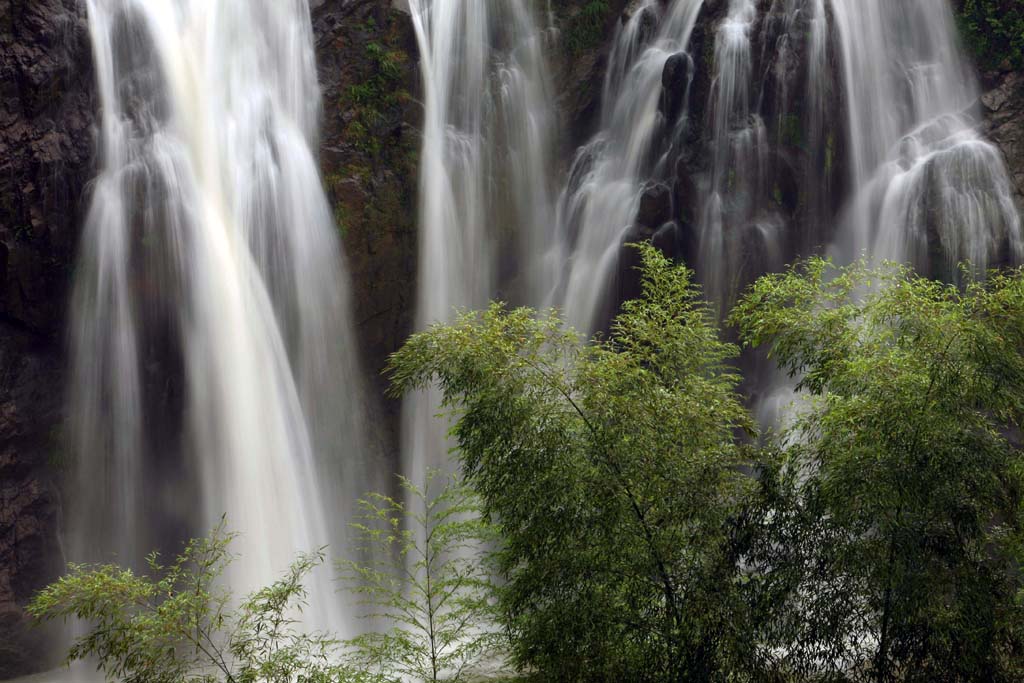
point(428, 580)
point(615, 474)
point(892, 539)
point(176, 625)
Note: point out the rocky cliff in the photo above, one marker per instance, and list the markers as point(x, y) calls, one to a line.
point(366, 52)
point(1002, 107)
point(46, 149)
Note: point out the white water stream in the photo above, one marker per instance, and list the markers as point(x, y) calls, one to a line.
point(924, 180)
point(213, 356)
point(484, 177)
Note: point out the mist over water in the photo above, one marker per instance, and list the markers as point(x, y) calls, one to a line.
point(213, 355)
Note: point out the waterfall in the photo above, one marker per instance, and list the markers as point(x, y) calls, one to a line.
point(739, 136)
point(928, 189)
point(607, 180)
point(738, 141)
point(737, 144)
point(212, 349)
point(485, 174)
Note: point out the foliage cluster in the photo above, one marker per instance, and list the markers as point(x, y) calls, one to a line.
point(373, 96)
point(892, 541)
point(425, 578)
point(614, 472)
point(176, 624)
point(423, 581)
point(878, 539)
point(585, 29)
point(626, 523)
point(994, 30)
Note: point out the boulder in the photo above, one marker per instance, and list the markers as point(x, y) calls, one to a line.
point(675, 82)
point(655, 206)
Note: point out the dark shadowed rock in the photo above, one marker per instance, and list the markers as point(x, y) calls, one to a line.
point(368, 70)
point(46, 152)
point(1002, 107)
point(31, 458)
point(686, 198)
point(655, 206)
point(578, 75)
point(675, 82)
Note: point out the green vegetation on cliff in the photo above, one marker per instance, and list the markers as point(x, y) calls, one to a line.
point(994, 31)
point(585, 29)
point(370, 98)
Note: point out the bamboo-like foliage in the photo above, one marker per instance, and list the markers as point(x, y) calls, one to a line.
point(639, 529)
point(427, 579)
point(178, 624)
point(894, 535)
point(613, 471)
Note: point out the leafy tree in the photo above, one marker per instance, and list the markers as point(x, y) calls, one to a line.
point(994, 30)
point(178, 626)
point(892, 538)
point(615, 474)
point(428, 581)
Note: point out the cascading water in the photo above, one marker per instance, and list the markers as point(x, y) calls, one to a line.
point(929, 190)
point(738, 167)
point(733, 141)
point(603, 195)
point(487, 134)
point(213, 367)
point(741, 170)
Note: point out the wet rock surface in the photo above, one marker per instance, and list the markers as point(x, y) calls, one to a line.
point(370, 141)
point(578, 68)
point(31, 459)
point(46, 151)
point(46, 158)
point(1002, 108)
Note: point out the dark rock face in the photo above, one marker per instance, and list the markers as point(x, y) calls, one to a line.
point(578, 74)
point(46, 151)
point(675, 82)
point(370, 142)
point(30, 459)
point(1002, 107)
point(655, 206)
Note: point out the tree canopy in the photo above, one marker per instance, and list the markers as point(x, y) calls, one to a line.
point(620, 518)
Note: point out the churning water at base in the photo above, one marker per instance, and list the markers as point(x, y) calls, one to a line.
point(213, 362)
